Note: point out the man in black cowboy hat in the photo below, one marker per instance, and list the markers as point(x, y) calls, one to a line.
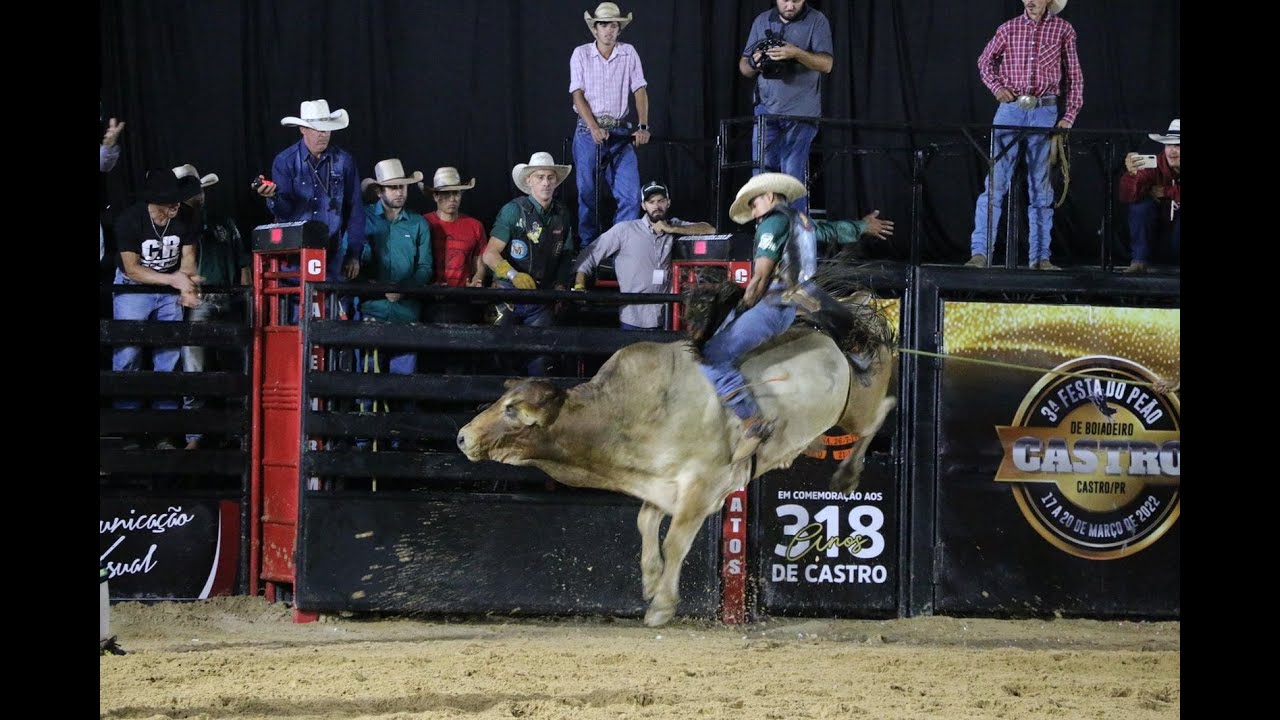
point(156, 240)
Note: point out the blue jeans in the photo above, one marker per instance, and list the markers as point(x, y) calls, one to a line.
point(144, 306)
point(786, 149)
point(618, 169)
point(723, 351)
point(1146, 224)
point(532, 315)
point(1039, 190)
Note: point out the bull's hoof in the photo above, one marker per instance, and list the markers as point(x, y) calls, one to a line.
point(845, 482)
point(657, 617)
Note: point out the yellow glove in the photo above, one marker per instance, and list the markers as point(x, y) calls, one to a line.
point(524, 281)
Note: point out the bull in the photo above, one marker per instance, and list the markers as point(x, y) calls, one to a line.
point(649, 425)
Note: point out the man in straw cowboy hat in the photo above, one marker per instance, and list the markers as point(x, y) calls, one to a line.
point(1029, 65)
point(156, 238)
point(786, 258)
point(316, 180)
point(602, 76)
point(398, 252)
point(457, 239)
point(1154, 197)
point(223, 260)
point(788, 81)
point(531, 246)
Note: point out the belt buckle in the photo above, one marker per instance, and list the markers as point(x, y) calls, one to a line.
point(1028, 102)
point(606, 122)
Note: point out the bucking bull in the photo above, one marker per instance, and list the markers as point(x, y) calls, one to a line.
point(649, 425)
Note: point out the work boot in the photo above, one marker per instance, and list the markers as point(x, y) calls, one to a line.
point(1136, 268)
point(978, 261)
point(1046, 265)
point(755, 430)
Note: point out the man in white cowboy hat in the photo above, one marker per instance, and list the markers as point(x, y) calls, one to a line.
point(316, 180)
point(1154, 197)
point(603, 75)
point(223, 261)
point(398, 252)
point(531, 245)
point(1031, 66)
point(457, 239)
point(788, 74)
point(156, 238)
point(641, 250)
point(785, 261)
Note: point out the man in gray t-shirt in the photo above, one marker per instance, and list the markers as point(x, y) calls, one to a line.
point(788, 71)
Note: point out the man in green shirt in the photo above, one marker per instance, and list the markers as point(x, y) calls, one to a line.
point(531, 246)
point(223, 260)
point(785, 260)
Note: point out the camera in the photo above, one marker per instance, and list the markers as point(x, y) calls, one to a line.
point(767, 66)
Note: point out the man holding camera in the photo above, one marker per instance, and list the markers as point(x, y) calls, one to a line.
point(787, 52)
point(1152, 188)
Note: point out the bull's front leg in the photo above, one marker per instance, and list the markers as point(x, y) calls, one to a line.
point(650, 522)
point(675, 546)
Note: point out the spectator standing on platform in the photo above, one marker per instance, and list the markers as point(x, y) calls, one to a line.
point(531, 246)
point(788, 74)
point(398, 252)
point(223, 261)
point(457, 244)
point(316, 180)
point(108, 155)
point(156, 239)
point(1154, 197)
point(641, 249)
point(602, 75)
point(1029, 65)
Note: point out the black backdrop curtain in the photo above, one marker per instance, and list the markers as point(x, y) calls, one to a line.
point(482, 84)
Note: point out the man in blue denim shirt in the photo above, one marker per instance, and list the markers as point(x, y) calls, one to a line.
point(314, 180)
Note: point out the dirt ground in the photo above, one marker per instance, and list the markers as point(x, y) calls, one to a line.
point(241, 658)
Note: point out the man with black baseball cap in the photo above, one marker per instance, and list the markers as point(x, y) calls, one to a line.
point(641, 249)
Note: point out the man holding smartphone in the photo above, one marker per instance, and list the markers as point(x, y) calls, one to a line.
point(1153, 192)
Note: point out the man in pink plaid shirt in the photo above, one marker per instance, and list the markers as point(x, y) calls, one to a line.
point(1030, 65)
point(603, 75)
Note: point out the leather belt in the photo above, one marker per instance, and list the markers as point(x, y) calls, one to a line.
point(1031, 102)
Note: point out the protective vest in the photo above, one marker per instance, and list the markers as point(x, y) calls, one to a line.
point(538, 251)
point(800, 255)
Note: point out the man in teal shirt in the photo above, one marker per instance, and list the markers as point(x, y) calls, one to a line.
point(397, 252)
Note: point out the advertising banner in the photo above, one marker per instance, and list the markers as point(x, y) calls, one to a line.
point(1059, 466)
point(169, 547)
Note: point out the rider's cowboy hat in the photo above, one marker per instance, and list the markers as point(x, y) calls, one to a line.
point(315, 114)
point(390, 172)
point(538, 161)
point(607, 12)
point(781, 183)
point(1055, 6)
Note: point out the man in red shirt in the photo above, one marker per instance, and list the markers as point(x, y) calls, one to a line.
point(457, 242)
point(1031, 66)
point(1154, 197)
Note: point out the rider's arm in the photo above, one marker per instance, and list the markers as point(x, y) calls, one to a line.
point(761, 271)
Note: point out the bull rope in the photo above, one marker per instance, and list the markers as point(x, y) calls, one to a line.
point(1016, 366)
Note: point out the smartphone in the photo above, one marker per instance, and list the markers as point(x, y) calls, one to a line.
point(1146, 162)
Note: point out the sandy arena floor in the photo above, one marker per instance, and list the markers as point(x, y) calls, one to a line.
point(242, 658)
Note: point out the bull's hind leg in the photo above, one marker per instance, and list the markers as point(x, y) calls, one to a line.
point(650, 521)
point(849, 473)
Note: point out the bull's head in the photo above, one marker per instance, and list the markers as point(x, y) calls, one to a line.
point(512, 428)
